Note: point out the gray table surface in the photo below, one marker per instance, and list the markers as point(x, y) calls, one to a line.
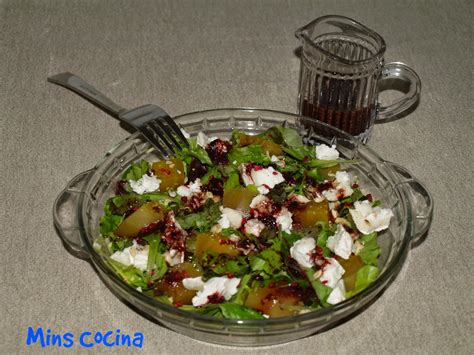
point(194, 55)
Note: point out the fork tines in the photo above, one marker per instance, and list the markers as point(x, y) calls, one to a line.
point(165, 135)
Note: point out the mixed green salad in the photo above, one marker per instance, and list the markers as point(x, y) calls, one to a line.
point(246, 228)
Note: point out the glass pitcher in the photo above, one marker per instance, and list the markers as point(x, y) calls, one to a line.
point(342, 68)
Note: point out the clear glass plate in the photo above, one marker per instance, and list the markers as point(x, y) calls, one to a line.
point(78, 209)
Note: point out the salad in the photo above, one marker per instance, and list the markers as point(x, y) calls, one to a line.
point(246, 228)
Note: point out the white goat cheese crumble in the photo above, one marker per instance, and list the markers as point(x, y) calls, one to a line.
point(254, 226)
point(174, 257)
point(222, 286)
point(257, 200)
point(230, 218)
point(147, 183)
point(185, 134)
point(263, 178)
point(203, 141)
point(340, 243)
point(370, 219)
point(342, 187)
point(136, 255)
point(324, 152)
point(193, 283)
point(338, 293)
point(190, 189)
point(284, 221)
point(301, 251)
point(332, 273)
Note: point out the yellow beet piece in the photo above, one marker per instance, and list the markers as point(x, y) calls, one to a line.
point(329, 173)
point(147, 214)
point(238, 198)
point(170, 172)
point(214, 242)
point(171, 284)
point(312, 213)
point(352, 266)
point(274, 302)
point(267, 145)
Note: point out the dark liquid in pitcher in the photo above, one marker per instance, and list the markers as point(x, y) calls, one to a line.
point(346, 103)
point(354, 122)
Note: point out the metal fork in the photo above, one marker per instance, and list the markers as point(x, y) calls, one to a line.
point(150, 120)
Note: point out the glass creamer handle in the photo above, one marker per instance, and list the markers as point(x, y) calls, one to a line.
point(66, 213)
point(399, 71)
point(420, 201)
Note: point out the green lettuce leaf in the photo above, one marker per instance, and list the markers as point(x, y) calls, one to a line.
point(224, 310)
point(136, 170)
point(364, 277)
point(268, 261)
point(237, 311)
point(316, 163)
point(130, 274)
point(156, 265)
point(194, 151)
point(109, 223)
point(299, 153)
point(251, 153)
point(237, 266)
point(322, 291)
point(323, 238)
point(243, 290)
point(211, 171)
point(371, 250)
point(201, 221)
point(232, 181)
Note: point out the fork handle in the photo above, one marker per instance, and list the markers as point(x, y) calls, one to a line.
point(87, 91)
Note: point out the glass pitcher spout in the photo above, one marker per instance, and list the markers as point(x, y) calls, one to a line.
point(340, 39)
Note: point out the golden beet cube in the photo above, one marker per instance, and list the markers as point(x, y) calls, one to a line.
point(238, 198)
point(171, 284)
point(312, 213)
point(276, 301)
point(149, 213)
point(216, 243)
point(170, 172)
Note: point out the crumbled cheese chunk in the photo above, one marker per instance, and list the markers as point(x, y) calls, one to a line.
point(284, 221)
point(324, 152)
point(203, 141)
point(222, 286)
point(136, 255)
point(257, 200)
point(193, 283)
point(340, 243)
point(263, 178)
point(280, 162)
point(174, 257)
point(332, 273)
point(254, 226)
point(357, 247)
point(298, 198)
point(188, 190)
point(147, 183)
point(338, 293)
point(230, 218)
point(267, 177)
point(342, 187)
point(185, 134)
point(301, 251)
point(370, 219)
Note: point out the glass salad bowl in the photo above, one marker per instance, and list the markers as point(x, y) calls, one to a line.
point(79, 207)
